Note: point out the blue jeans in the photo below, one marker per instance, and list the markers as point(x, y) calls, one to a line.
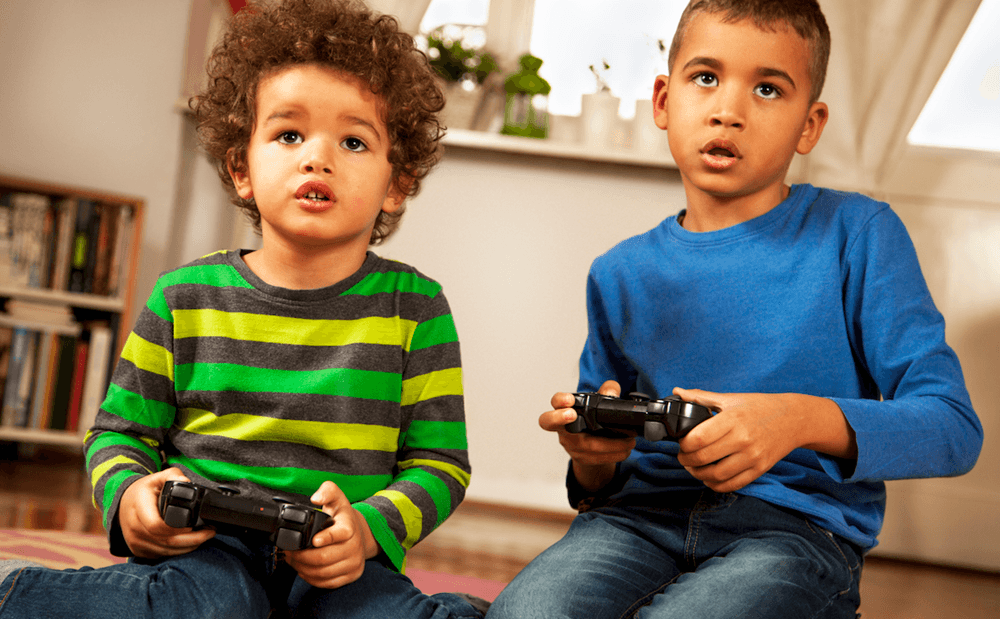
point(222, 578)
point(706, 555)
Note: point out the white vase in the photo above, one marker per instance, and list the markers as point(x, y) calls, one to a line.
point(599, 118)
point(461, 106)
point(646, 136)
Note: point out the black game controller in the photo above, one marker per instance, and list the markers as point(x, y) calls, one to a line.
point(287, 525)
point(670, 418)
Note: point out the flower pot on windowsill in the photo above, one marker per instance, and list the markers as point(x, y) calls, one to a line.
point(461, 108)
point(599, 118)
point(646, 136)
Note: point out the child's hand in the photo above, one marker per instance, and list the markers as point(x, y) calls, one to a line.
point(340, 550)
point(753, 431)
point(594, 457)
point(145, 532)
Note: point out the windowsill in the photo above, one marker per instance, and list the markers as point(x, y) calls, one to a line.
point(481, 140)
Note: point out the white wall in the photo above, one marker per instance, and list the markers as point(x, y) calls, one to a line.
point(511, 239)
point(86, 98)
point(950, 204)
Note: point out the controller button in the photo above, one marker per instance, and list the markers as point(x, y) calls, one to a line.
point(176, 517)
point(298, 516)
point(228, 491)
point(185, 493)
point(288, 539)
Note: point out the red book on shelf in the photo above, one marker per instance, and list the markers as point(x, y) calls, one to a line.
point(76, 395)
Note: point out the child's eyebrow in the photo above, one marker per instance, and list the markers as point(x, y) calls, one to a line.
point(770, 72)
point(282, 115)
point(713, 63)
point(357, 120)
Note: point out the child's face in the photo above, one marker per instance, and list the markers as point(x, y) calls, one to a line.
point(736, 107)
point(317, 162)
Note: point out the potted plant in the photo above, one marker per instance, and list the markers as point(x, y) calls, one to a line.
point(599, 110)
point(463, 68)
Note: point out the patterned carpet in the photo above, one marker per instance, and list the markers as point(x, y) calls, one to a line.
point(66, 550)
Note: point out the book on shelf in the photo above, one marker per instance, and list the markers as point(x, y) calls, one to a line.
point(45, 372)
point(63, 243)
point(55, 380)
point(95, 385)
point(40, 313)
point(20, 372)
point(6, 341)
point(30, 229)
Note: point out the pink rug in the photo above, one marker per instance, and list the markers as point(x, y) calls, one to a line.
point(65, 550)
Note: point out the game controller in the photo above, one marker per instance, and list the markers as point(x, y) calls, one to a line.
point(287, 525)
point(670, 418)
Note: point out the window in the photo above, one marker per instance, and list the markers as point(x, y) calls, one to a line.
point(963, 111)
point(632, 37)
point(571, 35)
point(464, 12)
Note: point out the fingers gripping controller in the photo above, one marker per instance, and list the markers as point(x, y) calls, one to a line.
point(287, 525)
point(668, 419)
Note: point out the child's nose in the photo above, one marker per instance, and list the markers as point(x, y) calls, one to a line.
point(316, 158)
point(728, 110)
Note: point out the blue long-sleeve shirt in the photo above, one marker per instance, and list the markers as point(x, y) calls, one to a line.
point(823, 295)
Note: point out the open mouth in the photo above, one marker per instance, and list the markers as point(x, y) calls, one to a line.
point(314, 191)
point(721, 152)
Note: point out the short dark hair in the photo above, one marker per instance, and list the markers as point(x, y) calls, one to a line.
point(343, 35)
point(804, 16)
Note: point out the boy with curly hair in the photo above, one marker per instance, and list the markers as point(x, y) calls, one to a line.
point(310, 369)
point(798, 314)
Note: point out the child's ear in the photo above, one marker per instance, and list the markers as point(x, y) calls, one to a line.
point(241, 179)
point(819, 113)
point(660, 100)
point(398, 191)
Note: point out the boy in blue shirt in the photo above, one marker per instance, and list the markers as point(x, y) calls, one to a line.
point(799, 315)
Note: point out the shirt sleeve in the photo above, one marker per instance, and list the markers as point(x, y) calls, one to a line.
point(602, 358)
point(925, 425)
point(432, 470)
point(131, 426)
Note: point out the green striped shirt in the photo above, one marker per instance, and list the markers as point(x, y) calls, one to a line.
point(274, 391)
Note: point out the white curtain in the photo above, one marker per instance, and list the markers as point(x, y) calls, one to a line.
point(887, 56)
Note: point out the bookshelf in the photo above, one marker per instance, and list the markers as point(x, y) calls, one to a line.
point(68, 259)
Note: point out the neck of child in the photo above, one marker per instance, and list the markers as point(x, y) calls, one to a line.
point(298, 269)
point(708, 212)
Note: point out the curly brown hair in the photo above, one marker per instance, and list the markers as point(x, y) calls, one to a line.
point(340, 34)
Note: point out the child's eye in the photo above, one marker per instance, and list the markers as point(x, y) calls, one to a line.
point(354, 145)
point(706, 79)
point(767, 91)
point(289, 137)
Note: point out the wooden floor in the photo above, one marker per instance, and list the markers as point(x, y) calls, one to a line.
point(47, 489)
